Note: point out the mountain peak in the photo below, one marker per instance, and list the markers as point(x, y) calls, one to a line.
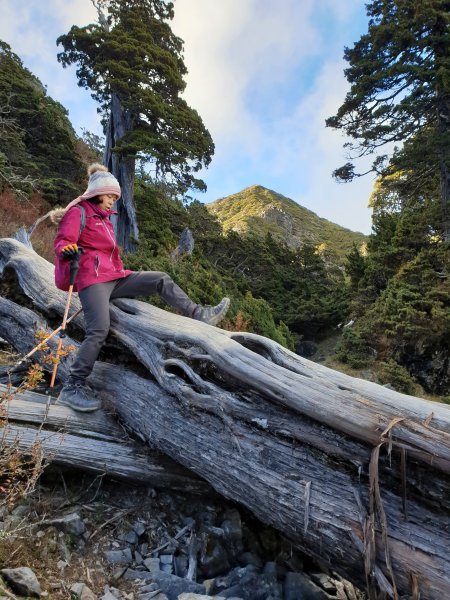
point(257, 210)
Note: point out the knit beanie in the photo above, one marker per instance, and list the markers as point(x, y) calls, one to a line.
point(101, 181)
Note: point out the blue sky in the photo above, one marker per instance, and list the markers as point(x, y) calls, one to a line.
point(263, 75)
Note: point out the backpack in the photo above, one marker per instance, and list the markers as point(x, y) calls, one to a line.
point(62, 265)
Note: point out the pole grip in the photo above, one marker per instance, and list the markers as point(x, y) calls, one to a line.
point(74, 266)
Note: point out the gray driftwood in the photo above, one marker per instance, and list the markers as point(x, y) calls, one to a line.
point(94, 443)
point(353, 473)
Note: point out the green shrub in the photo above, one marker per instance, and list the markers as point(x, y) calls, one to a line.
point(390, 372)
point(354, 350)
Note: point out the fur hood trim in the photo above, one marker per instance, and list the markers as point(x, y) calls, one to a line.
point(56, 215)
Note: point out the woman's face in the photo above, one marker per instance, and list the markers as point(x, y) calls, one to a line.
point(106, 201)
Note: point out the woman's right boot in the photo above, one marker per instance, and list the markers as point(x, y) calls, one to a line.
point(78, 396)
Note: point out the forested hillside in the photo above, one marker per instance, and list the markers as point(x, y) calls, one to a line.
point(395, 286)
point(38, 149)
point(399, 73)
point(259, 211)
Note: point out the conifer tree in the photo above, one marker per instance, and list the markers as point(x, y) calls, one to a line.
point(133, 64)
point(37, 141)
point(399, 73)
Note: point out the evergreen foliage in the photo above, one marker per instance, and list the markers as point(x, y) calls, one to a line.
point(391, 373)
point(399, 73)
point(133, 53)
point(37, 141)
point(400, 92)
point(276, 291)
point(401, 296)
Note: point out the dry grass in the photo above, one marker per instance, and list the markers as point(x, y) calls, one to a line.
point(16, 213)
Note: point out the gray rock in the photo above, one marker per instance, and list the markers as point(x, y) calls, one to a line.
point(138, 558)
point(166, 559)
point(82, 592)
point(130, 537)
point(171, 585)
point(249, 558)
point(152, 564)
point(23, 581)
point(298, 585)
point(153, 596)
point(72, 523)
point(139, 527)
point(180, 565)
point(119, 556)
point(21, 511)
point(190, 596)
point(167, 569)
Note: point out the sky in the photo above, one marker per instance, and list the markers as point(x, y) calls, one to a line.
point(263, 75)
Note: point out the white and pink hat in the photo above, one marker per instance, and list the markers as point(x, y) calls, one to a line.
point(101, 181)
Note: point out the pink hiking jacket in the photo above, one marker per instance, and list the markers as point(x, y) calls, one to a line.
point(101, 258)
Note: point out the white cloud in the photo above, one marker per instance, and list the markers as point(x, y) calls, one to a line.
point(232, 48)
point(250, 80)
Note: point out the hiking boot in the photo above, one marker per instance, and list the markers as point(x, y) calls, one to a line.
point(212, 314)
point(78, 396)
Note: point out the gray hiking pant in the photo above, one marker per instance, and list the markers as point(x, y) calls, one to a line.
point(95, 302)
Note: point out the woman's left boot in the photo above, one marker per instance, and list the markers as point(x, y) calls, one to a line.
point(212, 314)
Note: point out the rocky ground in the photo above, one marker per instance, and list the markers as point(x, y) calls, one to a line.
point(79, 537)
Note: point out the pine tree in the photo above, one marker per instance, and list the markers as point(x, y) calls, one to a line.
point(399, 73)
point(133, 64)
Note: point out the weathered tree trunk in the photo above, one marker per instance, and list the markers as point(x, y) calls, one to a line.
point(125, 223)
point(353, 473)
point(120, 122)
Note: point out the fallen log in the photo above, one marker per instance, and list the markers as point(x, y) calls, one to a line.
point(94, 443)
point(353, 473)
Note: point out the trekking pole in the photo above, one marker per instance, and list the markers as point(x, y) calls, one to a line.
point(74, 264)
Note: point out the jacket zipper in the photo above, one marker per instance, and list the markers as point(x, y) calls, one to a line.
point(111, 238)
point(96, 264)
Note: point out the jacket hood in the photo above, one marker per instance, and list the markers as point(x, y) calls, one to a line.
point(56, 215)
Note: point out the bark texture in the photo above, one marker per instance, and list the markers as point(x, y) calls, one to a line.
point(353, 473)
point(125, 223)
point(91, 442)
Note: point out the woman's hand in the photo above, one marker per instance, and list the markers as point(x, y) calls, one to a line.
point(70, 251)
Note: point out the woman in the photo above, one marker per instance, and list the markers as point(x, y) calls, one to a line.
point(101, 277)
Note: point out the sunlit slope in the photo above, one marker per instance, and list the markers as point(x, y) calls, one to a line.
point(257, 210)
